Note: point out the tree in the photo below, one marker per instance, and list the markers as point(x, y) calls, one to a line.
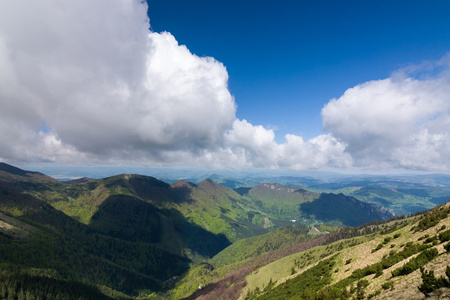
point(431, 283)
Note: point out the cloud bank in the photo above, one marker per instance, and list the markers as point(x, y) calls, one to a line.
point(398, 122)
point(87, 82)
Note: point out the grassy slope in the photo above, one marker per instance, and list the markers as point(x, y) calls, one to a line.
point(351, 257)
point(216, 208)
point(257, 245)
point(279, 200)
point(216, 277)
point(227, 209)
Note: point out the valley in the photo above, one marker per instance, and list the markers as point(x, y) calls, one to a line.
point(135, 236)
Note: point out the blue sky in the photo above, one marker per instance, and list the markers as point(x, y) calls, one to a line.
point(351, 86)
point(287, 59)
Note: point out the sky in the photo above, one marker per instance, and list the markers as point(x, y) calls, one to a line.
point(278, 85)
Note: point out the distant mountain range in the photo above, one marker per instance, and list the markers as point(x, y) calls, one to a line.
point(129, 235)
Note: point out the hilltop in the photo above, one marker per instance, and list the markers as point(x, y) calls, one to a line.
point(131, 235)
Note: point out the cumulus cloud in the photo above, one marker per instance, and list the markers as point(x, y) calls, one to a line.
point(89, 82)
point(103, 83)
point(398, 122)
point(255, 147)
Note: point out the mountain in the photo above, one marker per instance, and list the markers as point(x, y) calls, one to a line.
point(194, 221)
point(410, 193)
point(6, 169)
point(399, 200)
point(295, 204)
point(38, 240)
point(216, 208)
point(128, 218)
point(131, 235)
point(347, 210)
point(382, 260)
point(182, 208)
point(280, 200)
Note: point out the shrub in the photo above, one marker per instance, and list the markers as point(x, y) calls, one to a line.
point(447, 247)
point(374, 294)
point(431, 283)
point(378, 273)
point(388, 285)
point(360, 287)
point(423, 237)
point(419, 261)
point(377, 248)
point(445, 236)
point(293, 271)
point(430, 239)
point(387, 240)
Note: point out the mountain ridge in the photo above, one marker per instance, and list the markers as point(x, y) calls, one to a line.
point(164, 241)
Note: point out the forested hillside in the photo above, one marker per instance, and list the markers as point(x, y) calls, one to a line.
point(135, 236)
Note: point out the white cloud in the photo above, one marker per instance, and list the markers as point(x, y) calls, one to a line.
point(88, 82)
point(255, 147)
point(398, 122)
point(110, 90)
point(105, 84)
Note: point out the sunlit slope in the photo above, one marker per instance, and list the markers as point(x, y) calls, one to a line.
point(381, 265)
point(257, 245)
point(217, 208)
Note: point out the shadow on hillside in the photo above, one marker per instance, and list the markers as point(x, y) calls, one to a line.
point(338, 207)
point(131, 219)
point(182, 194)
point(196, 238)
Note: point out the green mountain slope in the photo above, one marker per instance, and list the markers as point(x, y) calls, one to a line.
point(137, 235)
point(401, 201)
point(280, 200)
point(216, 208)
point(37, 237)
point(294, 204)
point(7, 170)
point(379, 260)
point(132, 219)
point(257, 245)
point(349, 211)
point(381, 265)
point(195, 221)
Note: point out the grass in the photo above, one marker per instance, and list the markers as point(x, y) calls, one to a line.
point(258, 245)
point(280, 270)
point(357, 256)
